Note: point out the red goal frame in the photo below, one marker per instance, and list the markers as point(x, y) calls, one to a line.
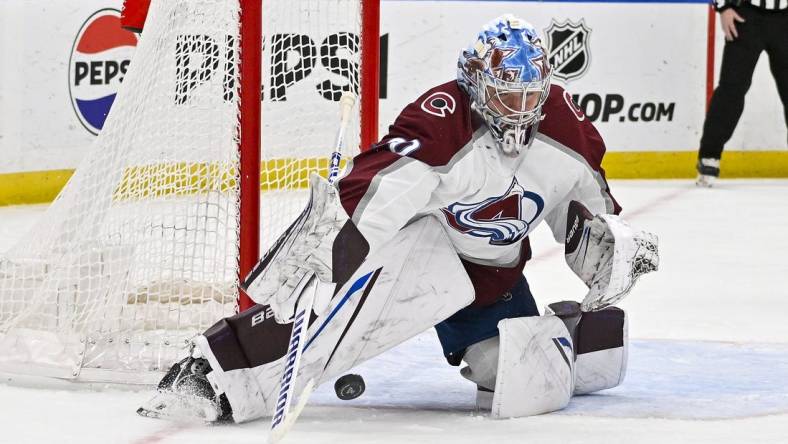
point(133, 17)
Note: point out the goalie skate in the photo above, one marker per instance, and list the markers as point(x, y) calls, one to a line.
point(186, 394)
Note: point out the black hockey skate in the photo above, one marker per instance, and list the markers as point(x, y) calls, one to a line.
point(186, 393)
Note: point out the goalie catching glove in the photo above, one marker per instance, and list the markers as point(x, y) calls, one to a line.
point(305, 248)
point(607, 254)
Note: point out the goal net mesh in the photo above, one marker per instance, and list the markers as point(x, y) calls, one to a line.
point(139, 252)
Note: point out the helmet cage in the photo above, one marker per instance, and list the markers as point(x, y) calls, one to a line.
point(512, 110)
point(514, 103)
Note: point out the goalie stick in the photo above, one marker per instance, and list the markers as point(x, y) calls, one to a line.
point(282, 420)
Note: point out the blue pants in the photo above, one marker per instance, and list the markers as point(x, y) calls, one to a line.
point(473, 324)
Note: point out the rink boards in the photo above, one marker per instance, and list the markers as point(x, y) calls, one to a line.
point(639, 69)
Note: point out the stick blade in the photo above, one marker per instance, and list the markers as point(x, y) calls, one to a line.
point(279, 432)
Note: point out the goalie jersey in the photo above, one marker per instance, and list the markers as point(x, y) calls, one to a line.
point(439, 159)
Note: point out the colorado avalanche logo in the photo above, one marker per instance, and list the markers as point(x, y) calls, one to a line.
point(439, 104)
point(505, 219)
point(99, 59)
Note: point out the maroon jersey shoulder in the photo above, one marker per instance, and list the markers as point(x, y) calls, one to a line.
point(565, 123)
point(435, 127)
point(431, 130)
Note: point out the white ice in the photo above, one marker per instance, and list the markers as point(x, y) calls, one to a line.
point(708, 363)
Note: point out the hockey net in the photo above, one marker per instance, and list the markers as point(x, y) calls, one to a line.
point(140, 251)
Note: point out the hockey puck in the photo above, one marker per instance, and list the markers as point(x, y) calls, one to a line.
point(349, 387)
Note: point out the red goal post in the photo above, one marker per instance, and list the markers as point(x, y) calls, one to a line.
point(133, 14)
point(133, 17)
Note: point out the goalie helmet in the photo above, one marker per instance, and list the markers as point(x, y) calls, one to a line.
point(507, 75)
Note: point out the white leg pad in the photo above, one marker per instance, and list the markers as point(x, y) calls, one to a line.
point(535, 367)
point(416, 281)
point(602, 367)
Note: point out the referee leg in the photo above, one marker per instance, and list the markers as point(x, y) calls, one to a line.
point(777, 49)
point(727, 103)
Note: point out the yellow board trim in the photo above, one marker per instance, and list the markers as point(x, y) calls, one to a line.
point(681, 164)
point(43, 186)
point(32, 187)
point(162, 180)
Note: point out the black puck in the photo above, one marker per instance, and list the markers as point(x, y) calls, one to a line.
point(350, 386)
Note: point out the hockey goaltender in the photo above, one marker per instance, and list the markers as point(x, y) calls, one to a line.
point(428, 228)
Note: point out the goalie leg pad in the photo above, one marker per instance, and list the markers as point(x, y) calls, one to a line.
point(410, 284)
point(602, 349)
point(535, 367)
point(234, 347)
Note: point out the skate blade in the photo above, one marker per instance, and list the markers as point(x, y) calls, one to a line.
point(179, 407)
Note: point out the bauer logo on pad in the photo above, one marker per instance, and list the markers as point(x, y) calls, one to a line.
point(100, 57)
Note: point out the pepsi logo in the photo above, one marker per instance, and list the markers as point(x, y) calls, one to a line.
point(99, 60)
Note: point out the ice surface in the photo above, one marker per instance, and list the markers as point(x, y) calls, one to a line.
point(665, 379)
point(708, 363)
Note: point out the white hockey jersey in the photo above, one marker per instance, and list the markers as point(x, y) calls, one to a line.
point(439, 158)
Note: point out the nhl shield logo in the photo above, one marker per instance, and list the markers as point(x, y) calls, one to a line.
point(568, 45)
